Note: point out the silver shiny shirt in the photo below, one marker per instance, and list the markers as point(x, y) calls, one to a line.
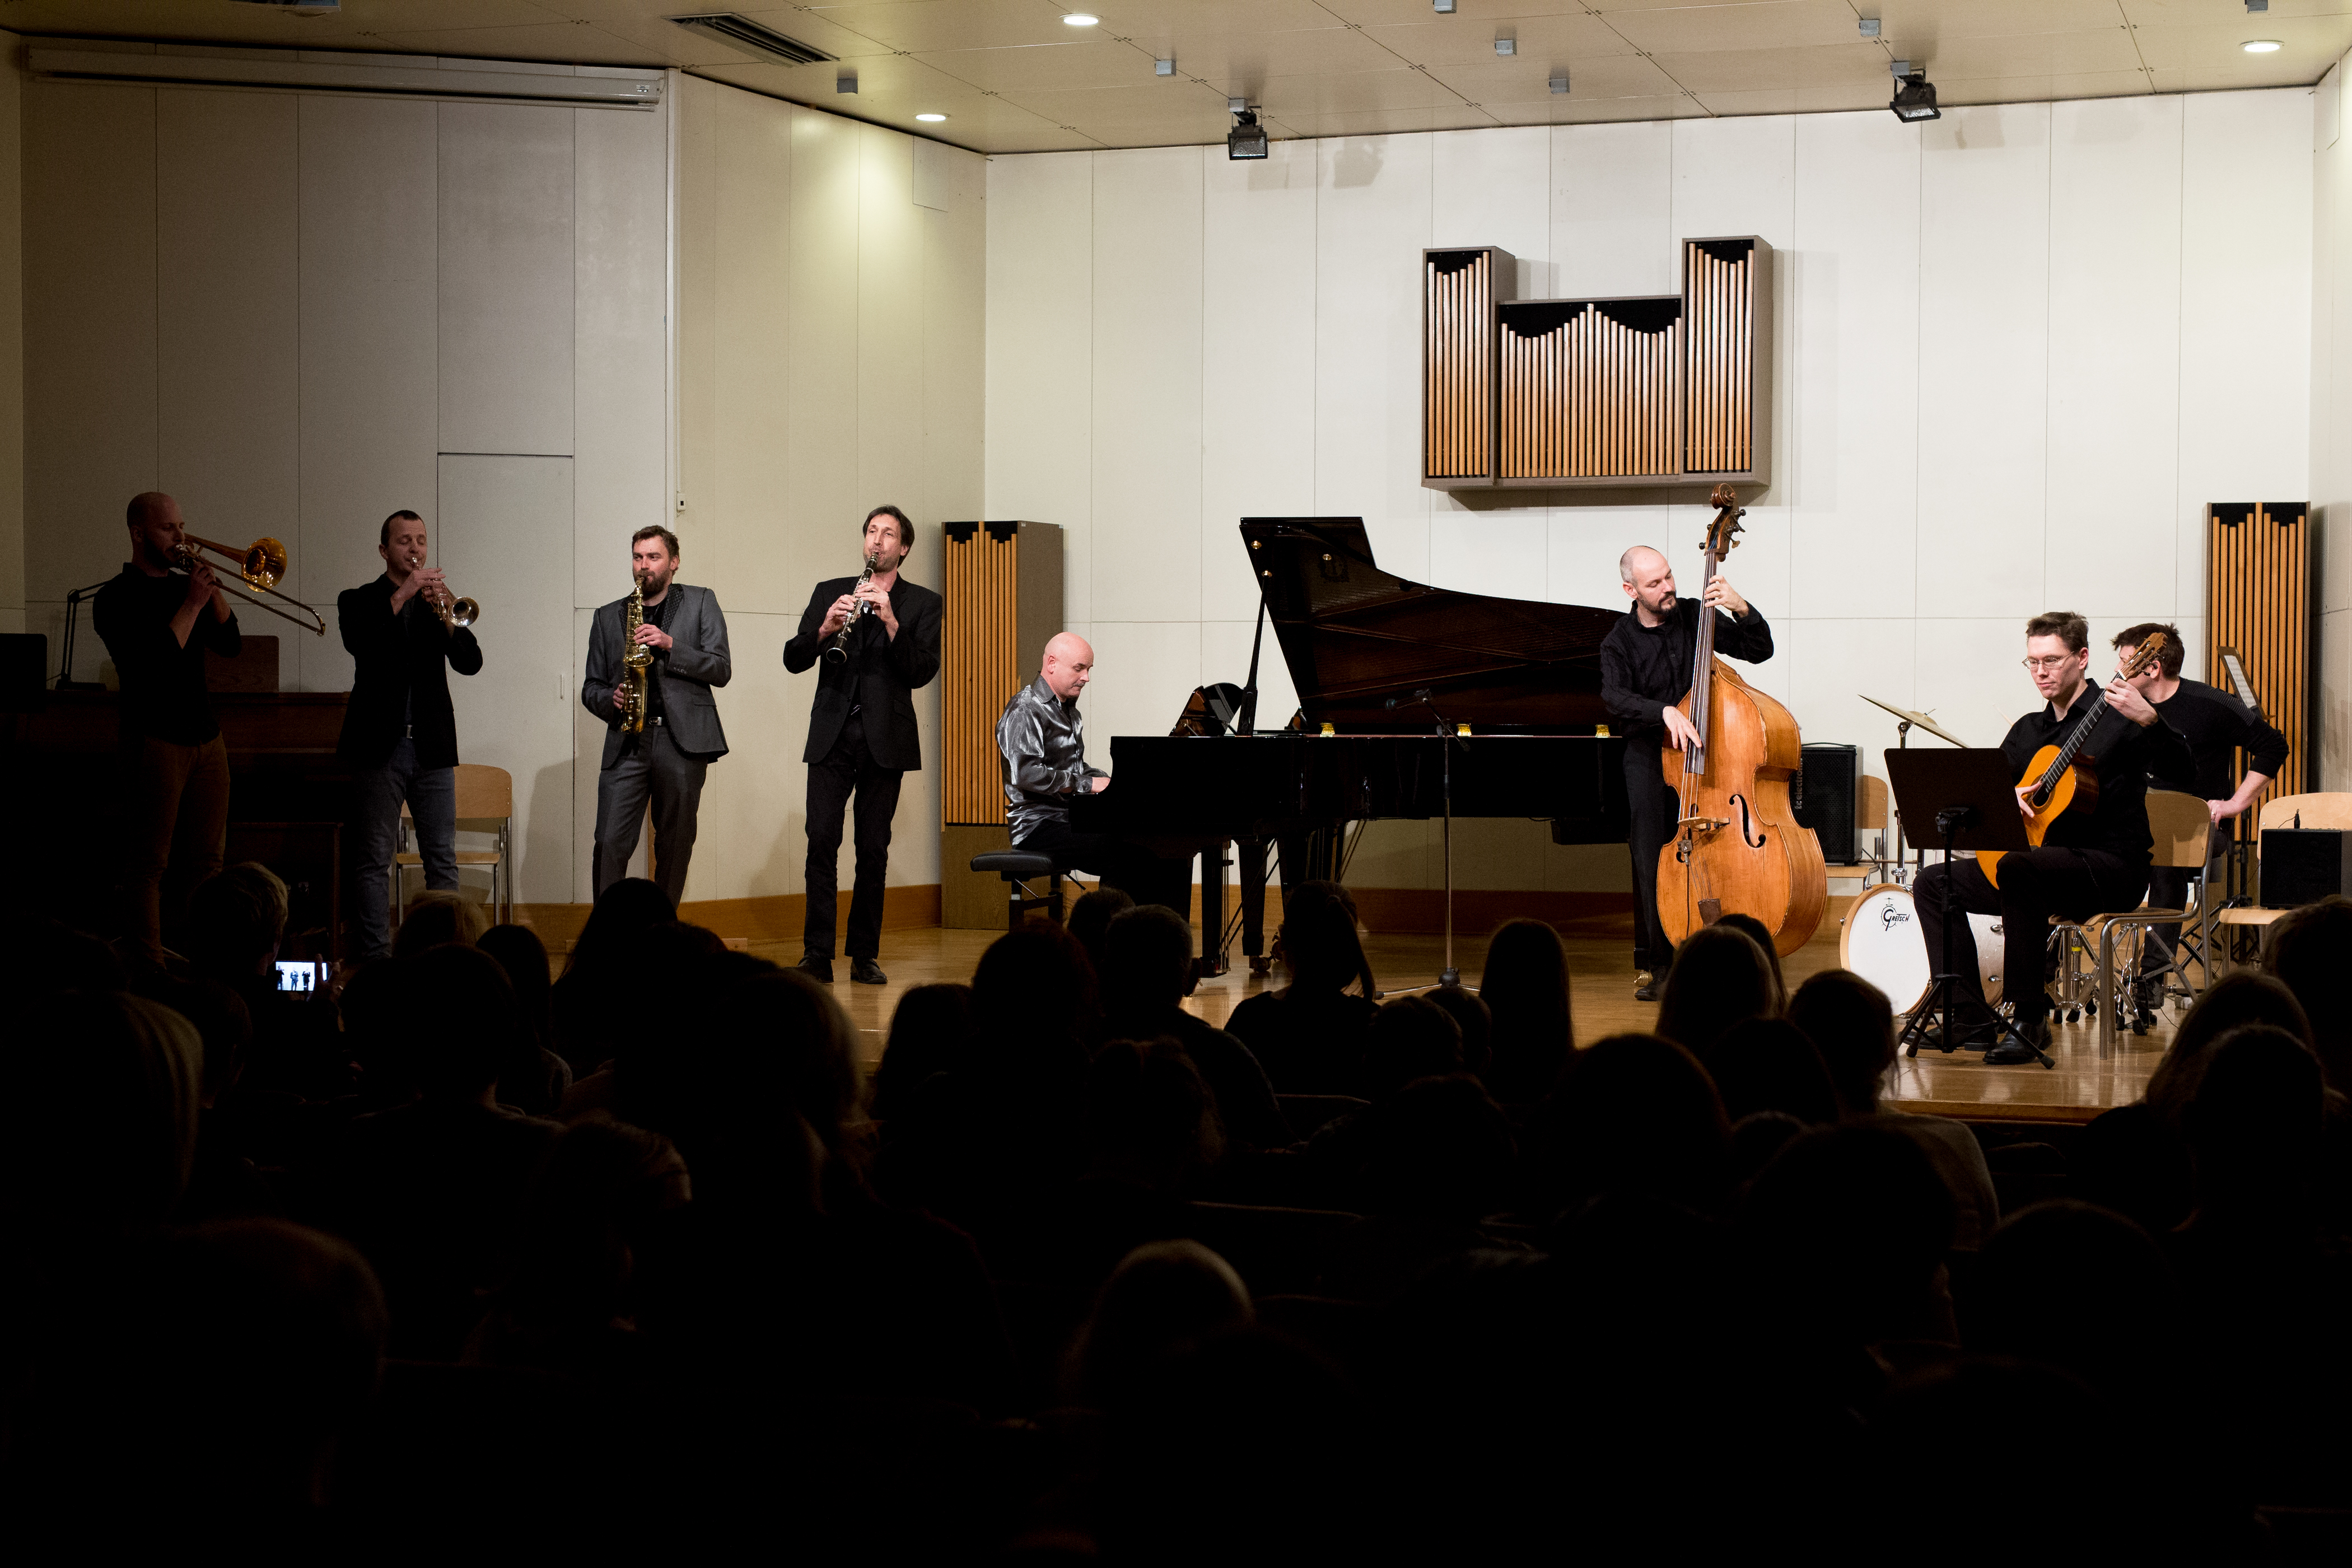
point(1040, 741)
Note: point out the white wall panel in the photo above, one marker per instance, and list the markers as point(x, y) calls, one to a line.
point(1851, 339)
point(737, 507)
point(1612, 210)
point(508, 521)
point(506, 279)
point(1984, 279)
point(227, 407)
point(621, 365)
point(89, 335)
point(1257, 357)
point(1148, 382)
point(1372, 217)
point(368, 385)
point(824, 501)
point(754, 827)
point(955, 335)
point(1494, 188)
point(694, 245)
point(1040, 410)
point(1831, 665)
point(2115, 385)
point(889, 327)
point(1143, 672)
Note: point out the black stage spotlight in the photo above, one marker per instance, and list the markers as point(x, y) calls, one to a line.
point(1248, 138)
point(1914, 98)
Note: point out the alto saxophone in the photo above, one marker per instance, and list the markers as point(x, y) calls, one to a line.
point(636, 660)
point(837, 651)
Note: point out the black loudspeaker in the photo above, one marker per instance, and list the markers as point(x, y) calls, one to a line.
point(2305, 865)
point(1831, 792)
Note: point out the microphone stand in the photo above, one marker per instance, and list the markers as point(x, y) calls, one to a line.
point(1447, 733)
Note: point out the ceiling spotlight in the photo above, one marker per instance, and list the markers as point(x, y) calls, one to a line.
point(1869, 27)
point(1559, 79)
point(1163, 67)
point(1507, 47)
point(1444, 8)
point(2260, 45)
point(930, 119)
point(1079, 19)
point(1914, 98)
point(2256, 7)
point(1248, 138)
point(846, 81)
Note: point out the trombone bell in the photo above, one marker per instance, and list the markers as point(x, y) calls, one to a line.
point(262, 565)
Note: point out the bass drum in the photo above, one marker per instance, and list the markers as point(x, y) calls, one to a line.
point(1881, 940)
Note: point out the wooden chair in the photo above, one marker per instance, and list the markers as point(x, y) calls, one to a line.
point(485, 804)
point(2327, 809)
point(2180, 825)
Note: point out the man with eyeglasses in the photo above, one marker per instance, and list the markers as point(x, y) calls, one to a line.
point(2090, 859)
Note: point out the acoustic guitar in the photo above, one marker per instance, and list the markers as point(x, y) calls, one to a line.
point(2058, 785)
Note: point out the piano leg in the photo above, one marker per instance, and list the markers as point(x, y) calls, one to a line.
point(1252, 895)
point(1212, 910)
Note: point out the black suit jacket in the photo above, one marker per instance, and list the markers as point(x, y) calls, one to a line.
point(881, 674)
point(394, 656)
point(698, 660)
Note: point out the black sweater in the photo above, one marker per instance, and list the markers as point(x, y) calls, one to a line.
point(1645, 669)
point(163, 694)
point(2215, 724)
point(2123, 755)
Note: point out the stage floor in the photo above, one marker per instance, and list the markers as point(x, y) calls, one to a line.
point(1959, 1085)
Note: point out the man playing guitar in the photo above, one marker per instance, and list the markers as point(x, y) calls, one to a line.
point(2093, 857)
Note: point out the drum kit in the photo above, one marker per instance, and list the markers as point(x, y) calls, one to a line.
point(1882, 939)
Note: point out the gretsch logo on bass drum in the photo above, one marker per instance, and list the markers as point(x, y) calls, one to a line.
point(1891, 914)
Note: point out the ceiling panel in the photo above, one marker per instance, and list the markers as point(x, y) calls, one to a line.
point(1825, 99)
point(1110, 109)
point(1775, 23)
point(576, 43)
point(1391, 121)
point(1824, 65)
point(650, 26)
point(1362, 92)
point(1104, 63)
point(1319, 51)
point(2035, 89)
point(1572, 110)
point(2312, 43)
point(941, 24)
point(1447, 42)
point(2037, 54)
point(1908, 22)
point(1513, 81)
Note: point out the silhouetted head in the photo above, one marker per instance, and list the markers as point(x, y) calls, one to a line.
point(459, 1025)
point(1148, 1119)
point(1769, 1064)
point(2241, 998)
point(236, 919)
point(1846, 1230)
point(1756, 932)
point(2254, 1128)
point(929, 1033)
point(623, 911)
point(1318, 943)
point(1440, 1144)
point(1032, 1001)
point(2311, 950)
point(1161, 1297)
point(1637, 1116)
point(1089, 920)
point(1472, 1017)
point(1410, 1037)
point(2080, 1287)
point(524, 956)
point(1852, 1025)
point(575, 1250)
point(1719, 978)
point(99, 1124)
point(437, 920)
point(1147, 961)
point(1525, 985)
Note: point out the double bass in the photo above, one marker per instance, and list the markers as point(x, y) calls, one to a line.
point(1737, 847)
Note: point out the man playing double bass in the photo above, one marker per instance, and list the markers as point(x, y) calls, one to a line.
point(1645, 669)
point(2089, 861)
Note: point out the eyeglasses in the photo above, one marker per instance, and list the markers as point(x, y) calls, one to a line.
point(2038, 665)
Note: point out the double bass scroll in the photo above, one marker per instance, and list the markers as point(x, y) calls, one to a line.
point(1737, 847)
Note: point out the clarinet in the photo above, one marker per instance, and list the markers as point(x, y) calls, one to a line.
point(837, 650)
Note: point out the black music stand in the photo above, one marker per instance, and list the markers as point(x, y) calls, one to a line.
point(1972, 798)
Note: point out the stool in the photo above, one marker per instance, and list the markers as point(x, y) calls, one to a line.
point(1018, 867)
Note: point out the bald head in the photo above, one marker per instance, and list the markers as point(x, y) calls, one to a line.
point(1069, 664)
point(1649, 583)
point(153, 519)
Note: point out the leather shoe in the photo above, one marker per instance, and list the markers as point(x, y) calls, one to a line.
point(866, 972)
point(2008, 1052)
point(1645, 986)
point(818, 967)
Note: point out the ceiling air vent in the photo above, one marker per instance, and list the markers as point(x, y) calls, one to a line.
point(761, 43)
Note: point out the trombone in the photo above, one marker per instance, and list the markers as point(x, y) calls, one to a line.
point(454, 613)
point(262, 564)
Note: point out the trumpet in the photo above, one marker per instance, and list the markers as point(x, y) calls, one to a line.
point(262, 565)
point(837, 651)
point(454, 613)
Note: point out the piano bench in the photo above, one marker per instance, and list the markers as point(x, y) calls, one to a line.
point(1018, 867)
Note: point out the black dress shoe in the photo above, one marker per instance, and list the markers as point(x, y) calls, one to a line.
point(2010, 1053)
point(1645, 986)
point(866, 972)
point(818, 967)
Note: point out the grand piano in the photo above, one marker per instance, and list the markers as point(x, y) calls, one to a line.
point(1400, 686)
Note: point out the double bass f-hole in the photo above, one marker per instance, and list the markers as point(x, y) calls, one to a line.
point(1747, 824)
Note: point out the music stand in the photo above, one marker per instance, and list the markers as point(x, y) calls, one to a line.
point(1972, 798)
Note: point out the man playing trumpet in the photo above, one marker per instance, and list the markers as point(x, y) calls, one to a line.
point(666, 759)
point(400, 733)
point(156, 627)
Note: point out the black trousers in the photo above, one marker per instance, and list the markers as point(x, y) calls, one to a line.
point(2035, 884)
point(847, 770)
point(1655, 805)
point(1132, 869)
point(2168, 888)
point(649, 765)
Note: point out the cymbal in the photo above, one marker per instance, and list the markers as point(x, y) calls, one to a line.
point(1921, 719)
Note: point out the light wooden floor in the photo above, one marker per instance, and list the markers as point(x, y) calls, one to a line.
point(2077, 1090)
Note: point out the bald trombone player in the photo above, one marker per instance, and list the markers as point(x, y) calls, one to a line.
point(1645, 669)
point(1041, 739)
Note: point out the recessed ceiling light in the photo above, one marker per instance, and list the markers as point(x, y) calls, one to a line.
point(2260, 45)
point(931, 119)
point(1079, 19)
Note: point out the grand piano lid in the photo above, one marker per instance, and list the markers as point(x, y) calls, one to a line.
point(1355, 635)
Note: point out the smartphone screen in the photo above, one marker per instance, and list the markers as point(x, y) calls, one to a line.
point(298, 974)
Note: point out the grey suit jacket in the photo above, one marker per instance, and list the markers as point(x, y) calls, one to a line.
point(698, 661)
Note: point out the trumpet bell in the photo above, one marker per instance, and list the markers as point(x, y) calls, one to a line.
point(464, 612)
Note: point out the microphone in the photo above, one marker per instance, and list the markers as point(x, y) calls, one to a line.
point(1420, 696)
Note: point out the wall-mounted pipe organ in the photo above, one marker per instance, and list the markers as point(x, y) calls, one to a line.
point(1641, 390)
point(2259, 588)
